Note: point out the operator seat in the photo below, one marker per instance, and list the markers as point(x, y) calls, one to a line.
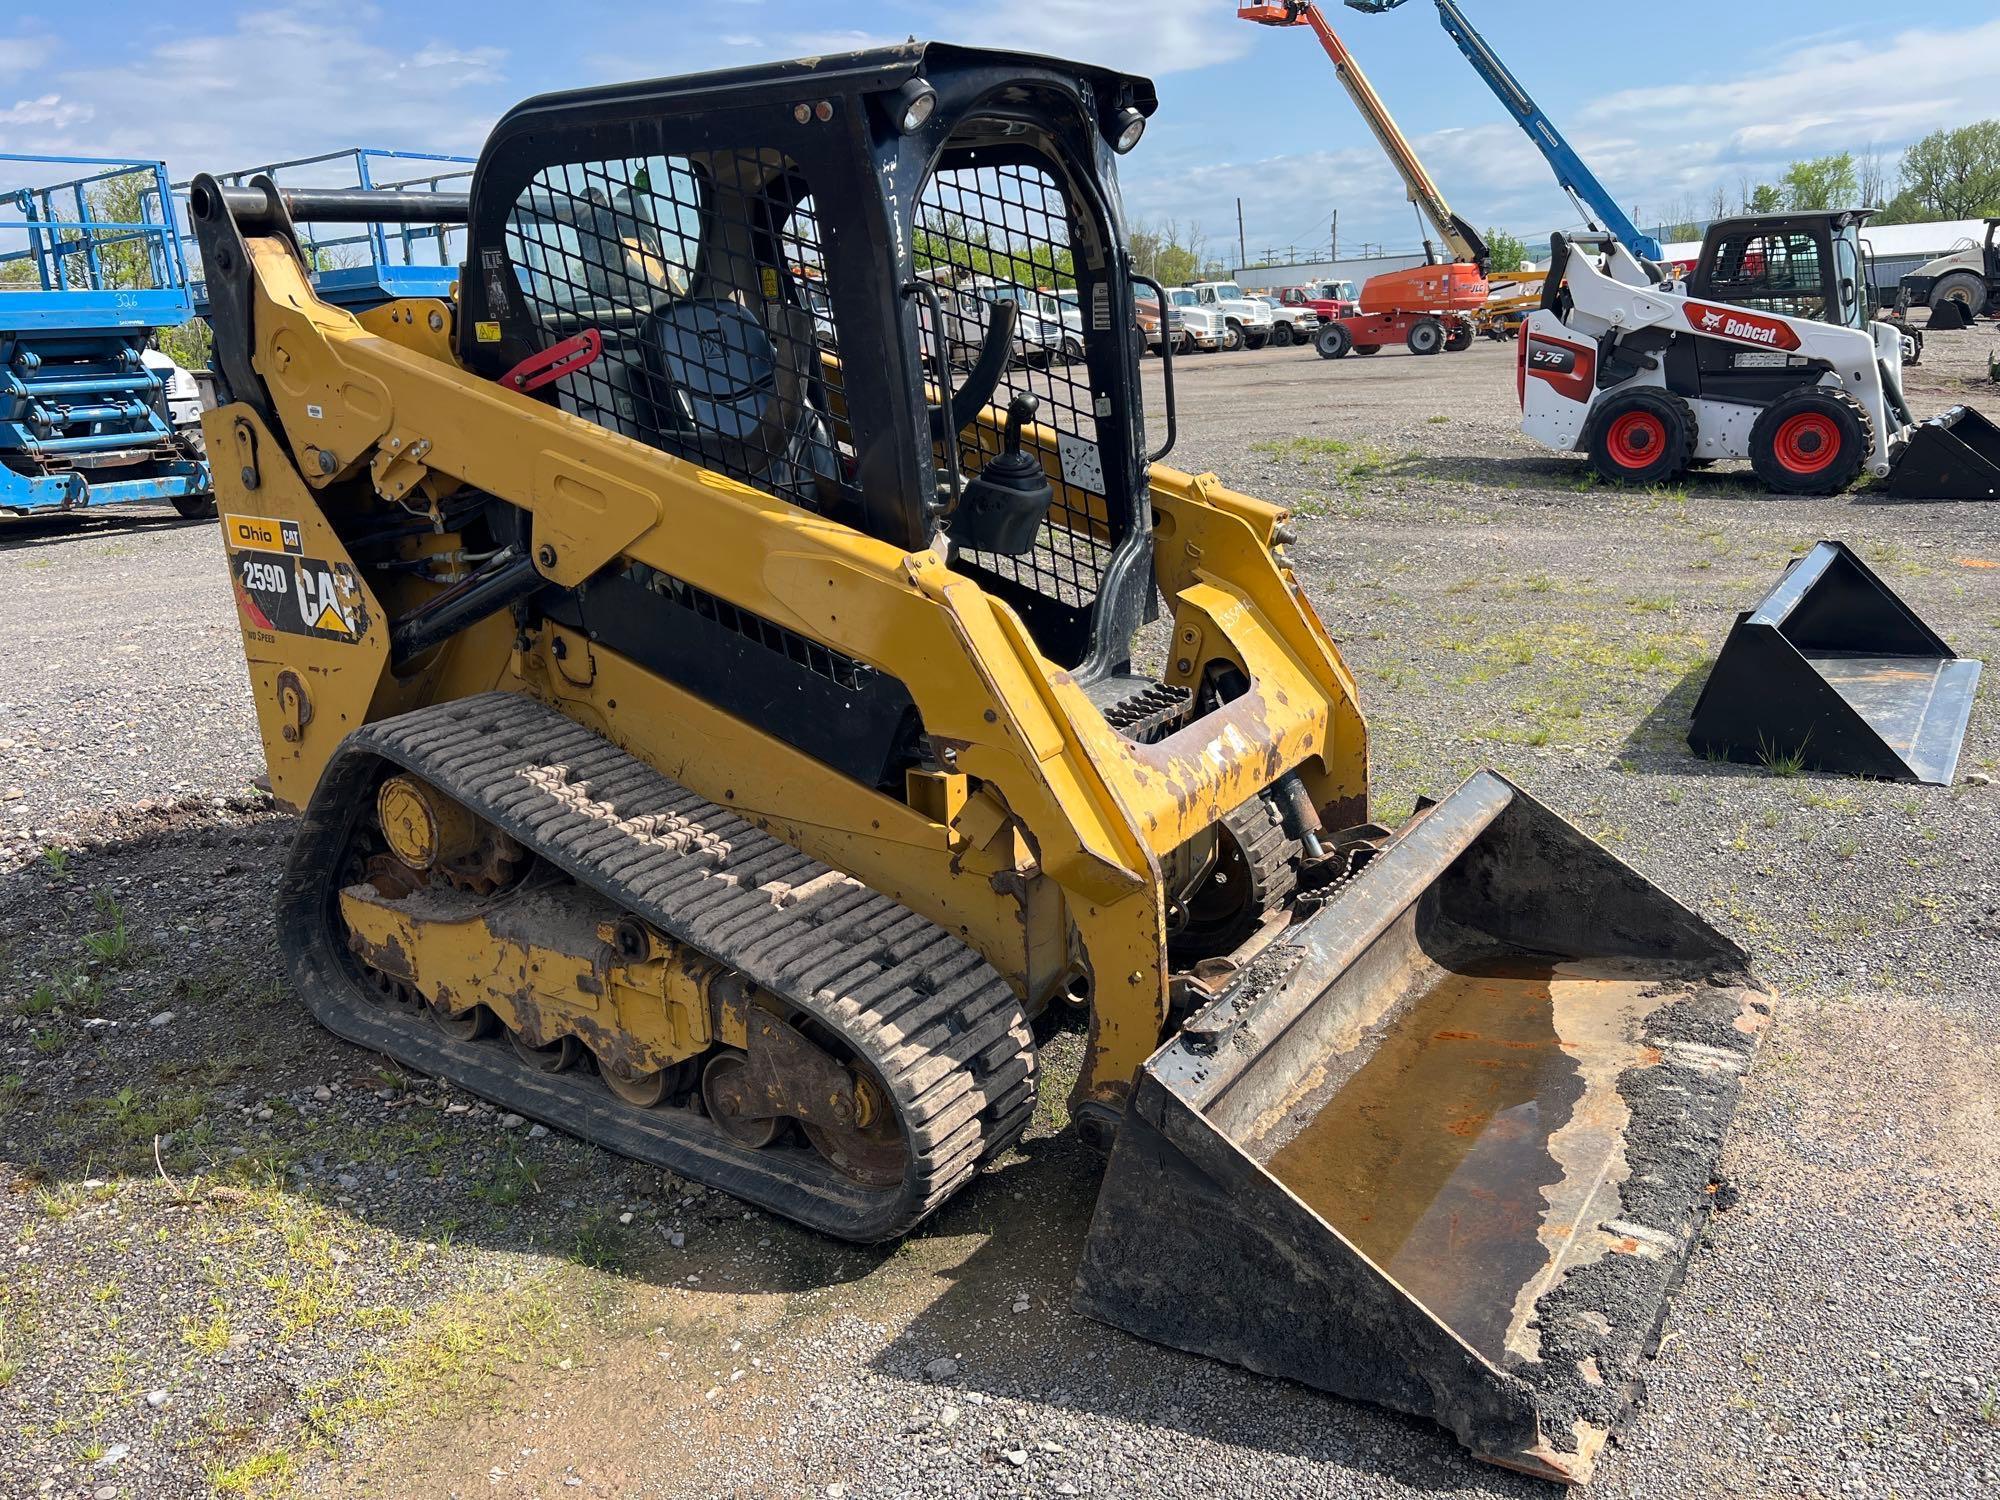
point(727, 390)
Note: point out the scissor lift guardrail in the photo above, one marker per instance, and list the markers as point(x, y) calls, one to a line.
point(90, 270)
point(359, 266)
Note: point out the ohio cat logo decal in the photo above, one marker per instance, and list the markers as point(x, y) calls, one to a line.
point(280, 589)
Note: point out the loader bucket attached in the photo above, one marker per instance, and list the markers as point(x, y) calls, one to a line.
point(1446, 1144)
point(1953, 456)
point(1833, 669)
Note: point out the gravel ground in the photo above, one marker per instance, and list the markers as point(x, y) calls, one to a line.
point(335, 1279)
point(126, 680)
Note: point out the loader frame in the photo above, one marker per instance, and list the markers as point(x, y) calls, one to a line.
point(711, 703)
point(1039, 830)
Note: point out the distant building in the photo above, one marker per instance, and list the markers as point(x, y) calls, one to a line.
point(1355, 268)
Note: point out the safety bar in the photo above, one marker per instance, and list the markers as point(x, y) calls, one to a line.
point(256, 212)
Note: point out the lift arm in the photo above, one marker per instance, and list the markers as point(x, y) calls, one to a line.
point(1460, 238)
point(1593, 200)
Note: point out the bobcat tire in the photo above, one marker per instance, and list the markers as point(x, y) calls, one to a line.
point(1812, 442)
point(1644, 436)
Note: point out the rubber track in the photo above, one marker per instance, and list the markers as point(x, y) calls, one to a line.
point(942, 1029)
point(1272, 861)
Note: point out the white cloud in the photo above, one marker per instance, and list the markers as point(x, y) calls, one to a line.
point(827, 43)
point(1136, 36)
point(272, 84)
point(1657, 147)
point(24, 54)
point(51, 111)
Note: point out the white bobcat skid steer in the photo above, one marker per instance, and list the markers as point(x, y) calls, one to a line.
point(1767, 352)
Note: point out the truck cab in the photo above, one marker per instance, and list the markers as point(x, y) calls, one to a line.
point(1202, 324)
point(1327, 299)
point(1246, 321)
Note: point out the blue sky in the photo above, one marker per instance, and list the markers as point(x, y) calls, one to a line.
point(1666, 102)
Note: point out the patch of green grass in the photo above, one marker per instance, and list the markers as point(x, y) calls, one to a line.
point(1438, 420)
point(57, 859)
point(1778, 762)
point(112, 943)
point(261, 1474)
point(512, 1181)
point(140, 1116)
point(601, 1244)
point(1655, 604)
point(47, 996)
point(1516, 734)
point(209, 1338)
point(48, 1040)
point(1303, 447)
point(10, 1359)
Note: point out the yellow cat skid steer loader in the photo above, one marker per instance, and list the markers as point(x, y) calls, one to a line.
point(710, 703)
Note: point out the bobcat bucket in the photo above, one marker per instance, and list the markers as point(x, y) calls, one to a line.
point(1447, 1143)
point(1953, 456)
point(1833, 670)
point(1950, 314)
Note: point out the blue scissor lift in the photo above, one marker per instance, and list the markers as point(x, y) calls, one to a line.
point(359, 266)
point(90, 269)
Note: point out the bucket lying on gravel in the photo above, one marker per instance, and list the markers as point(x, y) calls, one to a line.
point(1446, 1144)
point(1831, 670)
point(1953, 456)
point(1950, 315)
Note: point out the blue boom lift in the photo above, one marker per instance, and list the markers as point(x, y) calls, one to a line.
point(90, 270)
point(1599, 209)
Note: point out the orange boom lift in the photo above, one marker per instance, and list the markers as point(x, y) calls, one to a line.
point(1427, 307)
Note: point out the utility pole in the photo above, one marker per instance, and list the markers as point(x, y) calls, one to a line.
point(1336, 236)
point(1242, 254)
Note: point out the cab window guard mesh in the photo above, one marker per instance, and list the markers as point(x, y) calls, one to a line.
point(706, 281)
point(988, 233)
point(1781, 273)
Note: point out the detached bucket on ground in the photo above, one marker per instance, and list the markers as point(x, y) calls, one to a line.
point(1953, 456)
point(1445, 1145)
point(1832, 670)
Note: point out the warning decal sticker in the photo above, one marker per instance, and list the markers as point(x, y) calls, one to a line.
point(277, 589)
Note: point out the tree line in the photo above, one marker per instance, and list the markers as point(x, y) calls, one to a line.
point(1950, 174)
